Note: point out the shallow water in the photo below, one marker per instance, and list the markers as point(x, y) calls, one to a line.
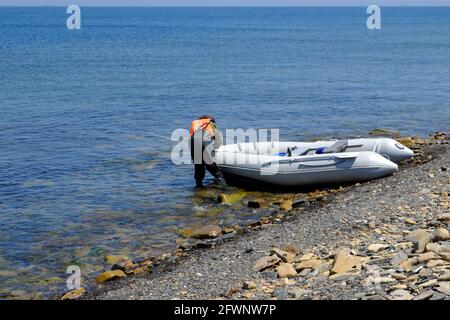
point(86, 116)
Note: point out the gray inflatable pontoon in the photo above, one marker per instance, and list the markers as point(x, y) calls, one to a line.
point(311, 163)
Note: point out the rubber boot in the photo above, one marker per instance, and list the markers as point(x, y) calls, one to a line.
point(198, 184)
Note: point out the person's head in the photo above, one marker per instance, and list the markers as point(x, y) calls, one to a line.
point(208, 116)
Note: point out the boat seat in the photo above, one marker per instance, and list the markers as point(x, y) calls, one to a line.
point(337, 147)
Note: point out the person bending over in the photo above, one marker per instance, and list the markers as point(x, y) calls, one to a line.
point(205, 137)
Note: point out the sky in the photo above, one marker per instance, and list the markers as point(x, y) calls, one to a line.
point(225, 2)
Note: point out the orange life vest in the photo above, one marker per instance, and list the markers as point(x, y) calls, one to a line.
point(205, 124)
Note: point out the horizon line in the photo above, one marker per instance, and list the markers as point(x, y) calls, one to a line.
point(226, 6)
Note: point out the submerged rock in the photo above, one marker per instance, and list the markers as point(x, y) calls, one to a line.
point(231, 198)
point(206, 232)
point(228, 229)
point(109, 275)
point(186, 233)
point(385, 133)
point(114, 259)
point(124, 265)
point(74, 294)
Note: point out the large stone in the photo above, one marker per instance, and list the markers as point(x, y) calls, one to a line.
point(445, 277)
point(186, 233)
point(248, 295)
point(407, 141)
point(407, 264)
point(437, 296)
point(74, 294)
point(266, 262)
point(309, 264)
point(398, 258)
point(440, 234)
point(424, 295)
point(286, 204)
point(401, 295)
point(443, 217)
point(398, 287)
point(125, 266)
point(299, 293)
point(380, 132)
point(445, 256)
point(375, 247)
point(249, 285)
point(286, 270)
point(343, 276)
point(109, 275)
point(428, 283)
point(399, 276)
point(345, 262)
point(382, 280)
point(305, 257)
point(283, 255)
point(231, 198)
point(444, 287)
point(206, 232)
point(436, 263)
point(257, 203)
point(425, 257)
point(424, 272)
point(420, 238)
point(434, 247)
point(324, 268)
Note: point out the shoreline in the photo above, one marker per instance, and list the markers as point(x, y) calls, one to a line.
point(318, 231)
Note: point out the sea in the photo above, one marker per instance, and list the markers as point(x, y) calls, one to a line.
point(87, 115)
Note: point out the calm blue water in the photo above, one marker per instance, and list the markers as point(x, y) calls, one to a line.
point(86, 116)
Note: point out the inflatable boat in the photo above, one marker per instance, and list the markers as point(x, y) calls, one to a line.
point(312, 163)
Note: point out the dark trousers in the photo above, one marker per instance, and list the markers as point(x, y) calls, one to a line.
point(200, 168)
point(199, 174)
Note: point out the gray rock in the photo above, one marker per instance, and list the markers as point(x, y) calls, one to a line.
point(426, 295)
point(437, 296)
point(281, 294)
point(399, 258)
point(300, 293)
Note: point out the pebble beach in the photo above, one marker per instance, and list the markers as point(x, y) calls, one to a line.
point(384, 239)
